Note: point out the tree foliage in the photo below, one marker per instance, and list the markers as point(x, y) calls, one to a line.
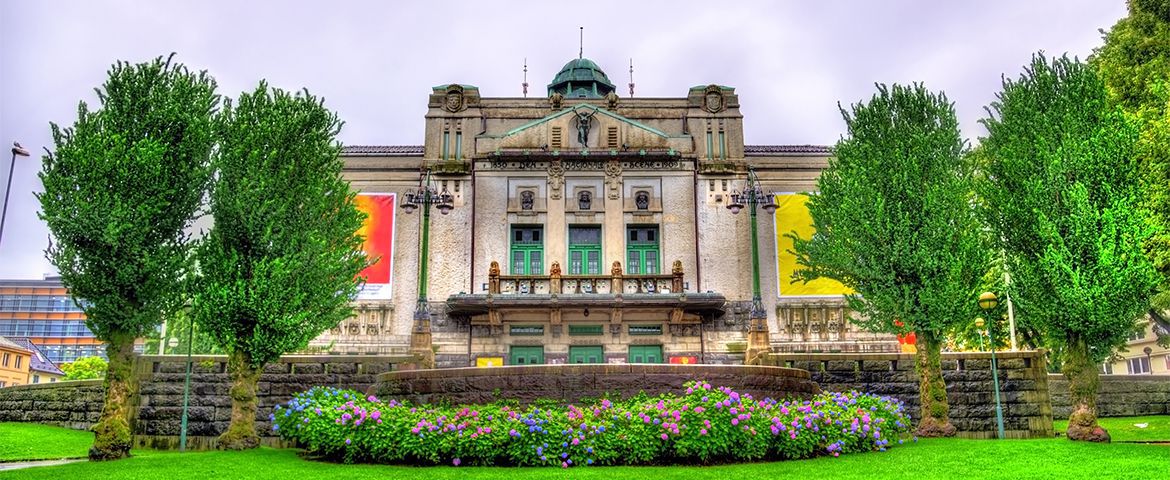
point(280, 264)
point(121, 187)
point(894, 222)
point(1060, 192)
point(1135, 64)
point(85, 368)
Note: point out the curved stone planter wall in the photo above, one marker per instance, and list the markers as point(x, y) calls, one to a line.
point(571, 383)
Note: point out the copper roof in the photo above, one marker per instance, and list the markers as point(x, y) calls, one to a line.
point(786, 149)
point(383, 150)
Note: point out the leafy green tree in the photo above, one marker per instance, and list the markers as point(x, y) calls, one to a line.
point(85, 368)
point(1135, 64)
point(122, 186)
point(178, 334)
point(1060, 192)
point(894, 222)
point(280, 264)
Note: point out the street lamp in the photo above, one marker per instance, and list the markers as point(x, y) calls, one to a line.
point(987, 301)
point(1149, 364)
point(424, 197)
point(750, 197)
point(17, 150)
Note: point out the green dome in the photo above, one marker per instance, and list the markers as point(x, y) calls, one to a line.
point(581, 78)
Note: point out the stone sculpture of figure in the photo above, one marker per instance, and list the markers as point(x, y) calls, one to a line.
point(555, 270)
point(642, 200)
point(584, 119)
point(494, 269)
point(616, 269)
point(526, 200)
point(584, 200)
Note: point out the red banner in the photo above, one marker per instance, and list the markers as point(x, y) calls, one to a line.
point(684, 360)
point(378, 230)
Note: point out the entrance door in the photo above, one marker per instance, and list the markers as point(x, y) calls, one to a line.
point(526, 355)
point(645, 354)
point(586, 354)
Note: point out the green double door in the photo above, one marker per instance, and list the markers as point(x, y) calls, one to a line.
point(586, 354)
point(525, 355)
point(645, 354)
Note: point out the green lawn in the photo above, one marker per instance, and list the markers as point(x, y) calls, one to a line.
point(927, 459)
point(30, 441)
point(1123, 429)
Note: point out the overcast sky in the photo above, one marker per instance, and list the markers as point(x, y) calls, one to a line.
point(374, 62)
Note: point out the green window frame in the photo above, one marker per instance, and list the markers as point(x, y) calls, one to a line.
point(642, 255)
point(526, 355)
point(645, 354)
point(584, 250)
point(645, 329)
point(586, 354)
point(527, 252)
point(586, 329)
point(526, 330)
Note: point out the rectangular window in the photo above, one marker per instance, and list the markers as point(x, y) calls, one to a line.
point(36, 379)
point(526, 330)
point(584, 250)
point(645, 329)
point(1107, 368)
point(585, 330)
point(1138, 335)
point(19, 361)
point(642, 250)
point(1139, 365)
point(527, 250)
point(6, 360)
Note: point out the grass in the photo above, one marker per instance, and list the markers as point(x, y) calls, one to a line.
point(30, 441)
point(926, 459)
point(1122, 429)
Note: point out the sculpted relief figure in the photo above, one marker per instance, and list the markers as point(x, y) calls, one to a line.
point(584, 120)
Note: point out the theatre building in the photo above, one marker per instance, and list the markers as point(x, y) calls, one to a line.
point(584, 227)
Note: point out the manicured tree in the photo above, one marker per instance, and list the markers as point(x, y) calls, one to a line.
point(894, 222)
point(1135, 63)
point(280, 264)
point(1060, 193)
point(122, 186)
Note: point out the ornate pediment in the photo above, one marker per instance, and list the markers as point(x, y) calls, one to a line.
point(584, 127)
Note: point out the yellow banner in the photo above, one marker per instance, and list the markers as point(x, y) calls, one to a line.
point(792, 216)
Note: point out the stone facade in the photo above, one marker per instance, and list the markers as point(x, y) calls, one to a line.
point(1023, 378)
point(648, 174)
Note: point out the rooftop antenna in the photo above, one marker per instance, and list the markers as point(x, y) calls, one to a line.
point(525, 84)
point(581, 51)
point(631, 78)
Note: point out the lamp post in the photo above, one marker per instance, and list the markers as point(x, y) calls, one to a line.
point(187, 386)
point(424, 197)
point(750, 197)
point(17, 150)
point(987, 301)
point(1149, 364)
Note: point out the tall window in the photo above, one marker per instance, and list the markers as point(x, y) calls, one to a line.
point(527, 250)
point(585, 250)
point(1139, 365)
point(642, 250)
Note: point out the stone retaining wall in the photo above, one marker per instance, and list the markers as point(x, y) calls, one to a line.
point(1118, 396)
point(1023, 379)
point(572, 383)
point(75, 404)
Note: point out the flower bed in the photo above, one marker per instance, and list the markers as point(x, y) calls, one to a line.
point(704, 425)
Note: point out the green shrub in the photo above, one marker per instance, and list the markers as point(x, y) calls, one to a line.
point(704, 425)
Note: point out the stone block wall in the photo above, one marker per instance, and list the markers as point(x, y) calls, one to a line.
point(572, 383)
point(76, 404)
point(1023, 378)
point(1118, 396)
point(160, 393)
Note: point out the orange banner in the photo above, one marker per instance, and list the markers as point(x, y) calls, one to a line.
point(378, 230)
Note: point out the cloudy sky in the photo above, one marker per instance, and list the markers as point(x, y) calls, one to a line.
point(374, 62)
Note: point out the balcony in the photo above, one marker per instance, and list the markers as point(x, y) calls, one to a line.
point(556, 292)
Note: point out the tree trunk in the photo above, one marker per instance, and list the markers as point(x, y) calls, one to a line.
point(241, 433)
point(112, 435)
point(935, 420)
point(1083, 381)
